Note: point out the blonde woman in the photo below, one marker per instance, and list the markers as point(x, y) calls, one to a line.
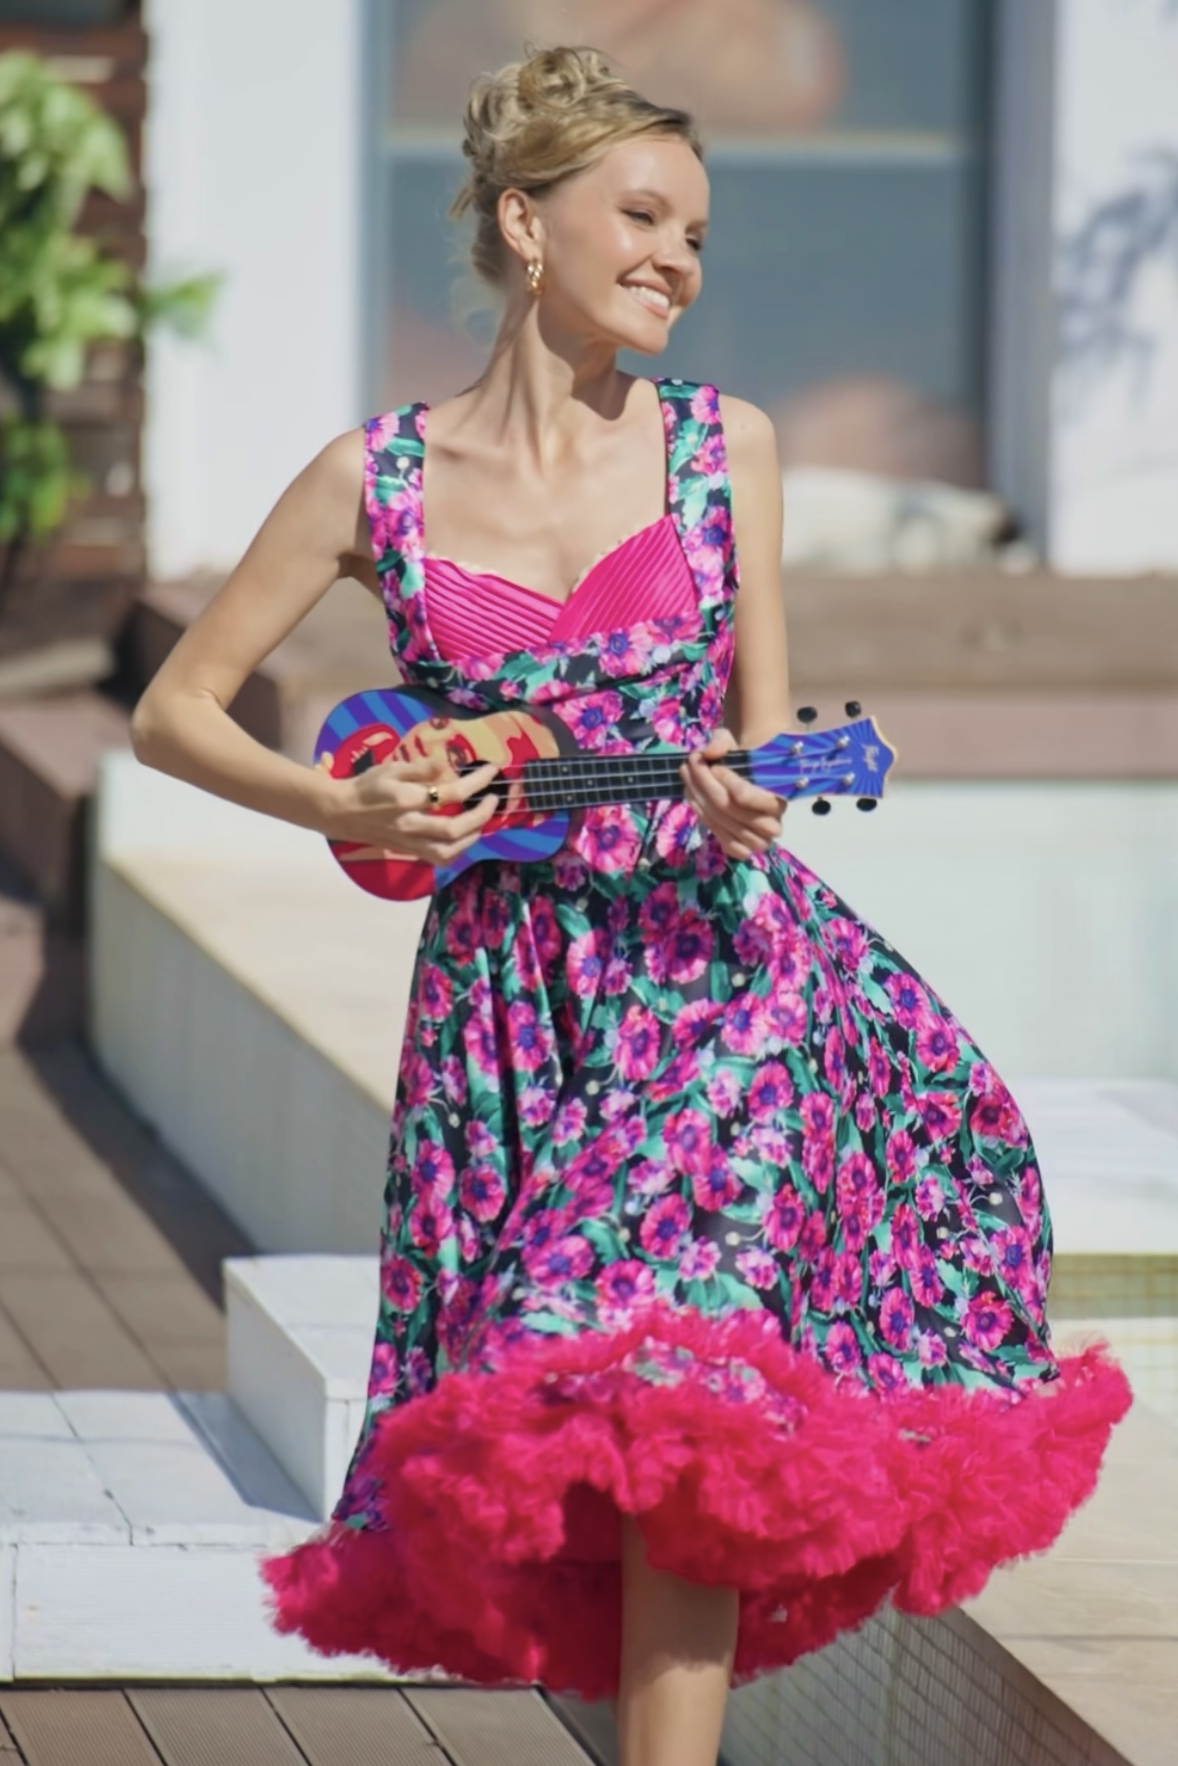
point(715, 1253)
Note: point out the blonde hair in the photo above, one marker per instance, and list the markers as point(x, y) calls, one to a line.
point(539, 121)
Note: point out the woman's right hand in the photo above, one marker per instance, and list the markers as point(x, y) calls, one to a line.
point(388, 808)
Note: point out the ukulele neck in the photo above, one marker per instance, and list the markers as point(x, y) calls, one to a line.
point(589, 781)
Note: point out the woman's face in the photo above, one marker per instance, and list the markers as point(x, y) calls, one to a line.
point(621, 243)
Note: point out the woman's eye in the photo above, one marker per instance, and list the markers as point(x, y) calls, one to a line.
point(638, 214)
point(459, 752)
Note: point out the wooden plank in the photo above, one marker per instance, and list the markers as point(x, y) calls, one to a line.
point(193, 1221)
point(28, 1241)
point(495, 1727)
point(143, 1242)
point(985, 734)
point(124, 42)
point(42, 985)
point(10, 1755)
point(355, 1726)
point(76, 1335)
point(592, 1722)
point(20, 1369)
point(109, 1232)
point(161, 1308)
point(76, 1728)
point(222, 1726)
point(983, 629)
point(43, 1156)
point(190, 1367)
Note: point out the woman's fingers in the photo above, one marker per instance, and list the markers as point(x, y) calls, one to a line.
point(467, 784)
point(444, 786)
point(728, 793)
point(744, 818)
point(457, 825)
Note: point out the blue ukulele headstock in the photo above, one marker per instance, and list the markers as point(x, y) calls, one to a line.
point(850, 761)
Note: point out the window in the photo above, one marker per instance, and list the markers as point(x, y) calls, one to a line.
point(844, 274)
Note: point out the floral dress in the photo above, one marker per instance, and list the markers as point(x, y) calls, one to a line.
point(701, 1206)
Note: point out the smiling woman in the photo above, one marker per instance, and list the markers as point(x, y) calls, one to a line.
point(551, 124)
point(715, 1254)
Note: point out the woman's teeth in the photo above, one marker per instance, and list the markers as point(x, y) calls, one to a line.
point(651, 299)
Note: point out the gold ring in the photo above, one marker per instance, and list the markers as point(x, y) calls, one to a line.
point(434, 795)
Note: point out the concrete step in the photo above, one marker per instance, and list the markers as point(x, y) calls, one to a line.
point(50, 751)
point(300, 1332)
point(130, 1526)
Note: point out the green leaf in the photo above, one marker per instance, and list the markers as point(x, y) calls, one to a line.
point(602, 1234)
point(183, 307)
point(60, 292)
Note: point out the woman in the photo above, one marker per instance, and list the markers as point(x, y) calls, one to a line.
point(715, 1256)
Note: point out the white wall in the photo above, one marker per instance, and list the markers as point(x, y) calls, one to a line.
point(1114, 488)
point(253, 166)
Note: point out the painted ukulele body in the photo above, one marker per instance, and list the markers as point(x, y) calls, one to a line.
point(546, 780)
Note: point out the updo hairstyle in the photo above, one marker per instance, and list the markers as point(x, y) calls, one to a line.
point(537, 122)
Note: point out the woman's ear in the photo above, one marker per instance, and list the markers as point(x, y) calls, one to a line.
point(521, 226)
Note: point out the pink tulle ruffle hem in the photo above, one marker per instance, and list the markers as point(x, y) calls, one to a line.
point(816, 1498)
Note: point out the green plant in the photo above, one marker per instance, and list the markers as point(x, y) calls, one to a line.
point(60, 291)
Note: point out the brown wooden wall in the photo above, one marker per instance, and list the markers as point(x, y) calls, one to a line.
point(83, 582)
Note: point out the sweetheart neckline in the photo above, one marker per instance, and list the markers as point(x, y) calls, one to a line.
point(540, 594)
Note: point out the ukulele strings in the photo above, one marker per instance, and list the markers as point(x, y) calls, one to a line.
point(531, 806)
point(580, 784)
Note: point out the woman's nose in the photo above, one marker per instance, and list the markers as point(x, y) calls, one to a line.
point(676, 258)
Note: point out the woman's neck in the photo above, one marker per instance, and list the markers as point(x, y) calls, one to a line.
point(537, 401)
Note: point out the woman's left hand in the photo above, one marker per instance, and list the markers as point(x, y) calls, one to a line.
point(744, 818)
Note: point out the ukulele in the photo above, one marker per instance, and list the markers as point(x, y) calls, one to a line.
point(546, 778)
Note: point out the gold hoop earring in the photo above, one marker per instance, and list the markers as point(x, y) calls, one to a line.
point(535, 275)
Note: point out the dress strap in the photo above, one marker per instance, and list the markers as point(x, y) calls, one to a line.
point(393, 453)
point(698, 487)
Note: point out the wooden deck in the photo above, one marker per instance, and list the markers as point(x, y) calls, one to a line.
point(283, 1726)
point(109, 1252)
point(110, 1277)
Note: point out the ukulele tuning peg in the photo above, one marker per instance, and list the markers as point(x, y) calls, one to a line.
point(865, 802)
point(852, 708)
point(807, 714)
point(820, 807)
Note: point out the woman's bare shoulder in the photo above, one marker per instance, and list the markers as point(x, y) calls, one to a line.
point(748, 430)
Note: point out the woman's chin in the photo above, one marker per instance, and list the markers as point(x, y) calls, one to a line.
point(644, 340)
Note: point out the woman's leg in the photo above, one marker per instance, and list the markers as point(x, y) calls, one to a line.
point(678, 1643)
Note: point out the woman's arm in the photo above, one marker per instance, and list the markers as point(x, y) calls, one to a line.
point(745, 818)
point(182, 726)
